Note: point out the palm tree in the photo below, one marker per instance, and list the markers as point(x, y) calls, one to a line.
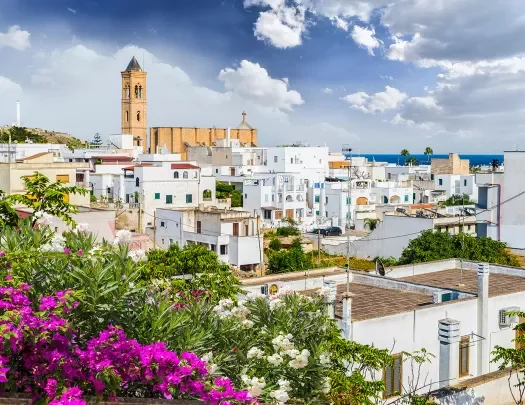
point(405, 153)
point(428, 152)
point(371, 223)
point(411, 161)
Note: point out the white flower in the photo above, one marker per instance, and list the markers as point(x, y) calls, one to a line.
point(284, 290)
point(275, 359)
point(293, 353)
point(284, 385)
point(212, 368)
point(122, 237)
point(326, 385)
point(324, 291)
point(275, 303)
point(324, 359)
point(252, 296)
point(57, 244)
point(81, 228)
point(255, 352)
point(300, 361)
point(137, 255)
point(247, 324)
point(254, 385)
point(280, 395)
point(207, 357)
point(283, 343)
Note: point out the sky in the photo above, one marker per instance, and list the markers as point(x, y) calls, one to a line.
point(380, 75)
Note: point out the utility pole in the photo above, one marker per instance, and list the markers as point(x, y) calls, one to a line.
point(261, 256)
point(347, 149)
point(155, 229)
point(318, 246)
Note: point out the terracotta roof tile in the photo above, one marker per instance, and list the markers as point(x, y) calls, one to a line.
point(183, 166)
point(36, 155)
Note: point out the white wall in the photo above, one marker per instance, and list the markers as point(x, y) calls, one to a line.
point(513, 217)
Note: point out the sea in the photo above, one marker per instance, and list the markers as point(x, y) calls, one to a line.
point(475, 160)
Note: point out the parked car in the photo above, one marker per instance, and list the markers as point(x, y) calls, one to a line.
point(331, 231)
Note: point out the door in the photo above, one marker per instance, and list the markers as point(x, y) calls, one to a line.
point(236, 229)
point(289, 213)
point(232, 171)
point(464, 356)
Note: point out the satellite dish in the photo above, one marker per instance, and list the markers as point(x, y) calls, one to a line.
point(380, 268)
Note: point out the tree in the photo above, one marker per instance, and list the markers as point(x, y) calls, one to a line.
point(494, 164)
point(428, 152)
point(514, 360)
point(275, 244)
point(457, 199)
point(236, 197)
point(292, 259)
point(8, 216)
point(404, 152)
point(45, 197)
point(441, 245)
point(371, 223)
point(97, 140)
point(411, 161)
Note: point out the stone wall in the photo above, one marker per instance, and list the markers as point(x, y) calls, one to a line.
point(452, 165)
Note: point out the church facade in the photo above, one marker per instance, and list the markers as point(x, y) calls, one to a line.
point(174, 139)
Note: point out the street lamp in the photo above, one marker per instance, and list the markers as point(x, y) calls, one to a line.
point(347, 152)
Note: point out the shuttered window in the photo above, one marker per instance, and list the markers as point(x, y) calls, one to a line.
point(393, 377)
point(464, 356)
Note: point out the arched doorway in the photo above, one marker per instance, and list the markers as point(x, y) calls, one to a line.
point(395, 199)
point(362, 201)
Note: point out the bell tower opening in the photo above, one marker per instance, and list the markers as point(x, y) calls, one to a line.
point(134, 101)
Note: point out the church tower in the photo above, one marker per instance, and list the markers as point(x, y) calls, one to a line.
point(134, 105)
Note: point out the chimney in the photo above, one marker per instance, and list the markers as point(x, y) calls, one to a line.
point(18, 123)
point(483, 319)
point(228, 137)
point(331, 298)
point(448, 335)
point(347, 315)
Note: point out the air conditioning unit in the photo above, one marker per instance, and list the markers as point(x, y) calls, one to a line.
point(264, 289)
point(505, 319)
point(442, 296)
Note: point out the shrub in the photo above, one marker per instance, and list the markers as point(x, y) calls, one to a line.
point(287, 231)
point(275, 244)
point(92, 198)
point(292, 259)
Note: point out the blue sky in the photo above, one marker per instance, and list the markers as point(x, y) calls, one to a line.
point(381, 75)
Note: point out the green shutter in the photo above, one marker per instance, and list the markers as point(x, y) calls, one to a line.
point(189, 198)
point(169, 199)
point(157, 196)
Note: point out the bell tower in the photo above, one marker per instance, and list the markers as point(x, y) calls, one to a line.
point(134, 104)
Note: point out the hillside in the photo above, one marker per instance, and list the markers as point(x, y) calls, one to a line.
point(37, 135)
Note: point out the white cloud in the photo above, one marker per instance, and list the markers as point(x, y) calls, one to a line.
point(365, 38)
point(386, 77)
point(71, 10)
point(340, 23)
point(9, 86)
point(327, 90)
point(252, 81)
point(325, 130)
point(389, 99)
point(15, 38)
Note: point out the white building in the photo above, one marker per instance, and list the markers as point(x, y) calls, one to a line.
point(167, 185)
point(393, 192)
point(456, 184)
point(340, 205)
point(459, 316)
point(310, 162)
point(19, 151)
point(275, 197)
point(489, 207)
point(233, 235)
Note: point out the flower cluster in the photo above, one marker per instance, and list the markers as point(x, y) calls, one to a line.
point(43, 218)
point(281, 395)
point(82, 228)
point(255, 385)
point(137, 255)
point(227, 308)
point(122, 237)
point(57, 244)
point(39, 354)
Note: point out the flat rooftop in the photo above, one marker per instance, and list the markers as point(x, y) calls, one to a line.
point(499, 284)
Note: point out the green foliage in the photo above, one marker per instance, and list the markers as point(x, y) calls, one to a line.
point(43, 196)
point(371, 223)
point(97, 140)
point(441, 245)
point(223, 190)
point(287, 231)
point(20, 135)
point(404, 152)
point(92, 198)
point(456, 200)
point(236, 197)
point(514, 360)
point(275, 244)
point(411, 161)
point(8, 216)
point(387, 261)
point(292, 259)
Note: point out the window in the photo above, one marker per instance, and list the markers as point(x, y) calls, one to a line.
point(56, 229)
point(347, 200)
point(326, 202)
point(326, 214)
point(162, 224)
point(169, 199)
point(216, 171)
point(464, 356)
point(171, 242)
point(207, 195)
point(291, 160)
point(273, 197)
point(224, 249)
point(163, 241)
point(316, 199)
point(406, 198)
point(440, 182)
point(317, 213)
point(392, 377)
point(465, 183)
point(199, 227)
point(267, 214)
point(235, 229)
point(140, 91)
point(175, 175)
point(275, 159)
point(127, 116)
point(157, 196)
point(245, 195)
point(138, 115)
point(185, 175)
point(189, 198)
point(137, 182)
point(213, 247)
point(468, 227)
point(137, 94)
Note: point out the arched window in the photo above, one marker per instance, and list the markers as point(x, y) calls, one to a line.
point(206, 195)
point(140, 91)
point(137, 181)
point(127, 116)
point(300, 197)
point(138, 115)
point(175, 175)
point(126, 91)
point(136, 91)
point(185, 175)
point(289, 198)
